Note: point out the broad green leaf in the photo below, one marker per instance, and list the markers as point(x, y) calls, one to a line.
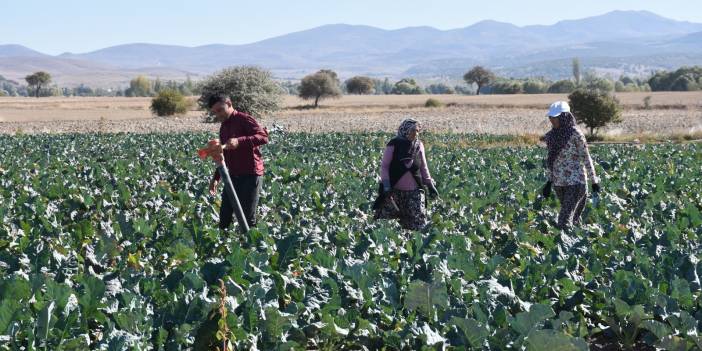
point(426, 298)
point(474, 333)
point(524, 322)
point(658, 329)
point(547, 339)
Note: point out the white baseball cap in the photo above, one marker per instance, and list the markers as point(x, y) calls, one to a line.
point(557, 108)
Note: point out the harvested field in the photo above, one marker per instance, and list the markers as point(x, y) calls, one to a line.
point(671, 113)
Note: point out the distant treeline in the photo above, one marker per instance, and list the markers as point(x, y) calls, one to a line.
point(138, 87)
point(683, 79)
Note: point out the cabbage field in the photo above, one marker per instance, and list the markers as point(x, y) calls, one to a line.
point(110, 242)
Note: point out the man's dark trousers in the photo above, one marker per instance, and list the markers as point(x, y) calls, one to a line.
point(248, 188)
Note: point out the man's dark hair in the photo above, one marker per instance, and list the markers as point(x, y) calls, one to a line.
point(217, 98)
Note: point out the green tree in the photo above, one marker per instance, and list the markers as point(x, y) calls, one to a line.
point(619, 87)
point(534, 87)
point(360, 85)
point(684, 83)
point(463, 90)
point(159, 86)
point(318, 86)
point(683, 79)
point(407, 86)
point(440, 88)
point(660, 81)
point(598, 84)
point(11, 88)
point(290, 88)
point(576, 71)
point(139, 87)
point(332, 74)
point(562, 87)
point(251, 89)
point(595, 109)
point(387, 86)
point(382, 86)
point(627, 80)
point(188, 87)
point(506, 87)
point(479, 76)
point(38, 80)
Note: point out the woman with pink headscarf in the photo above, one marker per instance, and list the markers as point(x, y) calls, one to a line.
point(404, 176)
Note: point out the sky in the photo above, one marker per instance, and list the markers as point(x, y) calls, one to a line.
point(79, 26)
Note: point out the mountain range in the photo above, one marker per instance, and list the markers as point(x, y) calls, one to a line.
point(619, 42)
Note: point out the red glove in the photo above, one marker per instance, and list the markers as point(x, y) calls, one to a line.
point(213, 149)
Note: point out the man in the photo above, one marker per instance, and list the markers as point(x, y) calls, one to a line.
point(241, 137)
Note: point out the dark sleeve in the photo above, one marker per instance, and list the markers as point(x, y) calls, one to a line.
point(385, 166)
point(257, 135)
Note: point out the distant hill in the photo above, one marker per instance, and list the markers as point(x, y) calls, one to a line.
point(14, 50)
point(73, 72)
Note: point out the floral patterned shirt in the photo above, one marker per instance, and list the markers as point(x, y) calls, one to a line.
point(572, 162)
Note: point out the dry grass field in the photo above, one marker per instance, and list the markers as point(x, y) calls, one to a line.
point(669, 113)
point(538, 101)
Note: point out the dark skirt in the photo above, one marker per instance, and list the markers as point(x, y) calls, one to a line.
point(408, 207)
point(573, 199)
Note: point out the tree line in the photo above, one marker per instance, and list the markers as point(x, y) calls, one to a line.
point(38, 84)
point(326, 84)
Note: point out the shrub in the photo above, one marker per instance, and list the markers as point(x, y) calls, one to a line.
point(431, 102)
point(169, 102)
point(647, 102)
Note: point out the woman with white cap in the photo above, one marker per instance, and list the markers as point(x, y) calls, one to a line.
point(404, 175)
point(568, 165)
